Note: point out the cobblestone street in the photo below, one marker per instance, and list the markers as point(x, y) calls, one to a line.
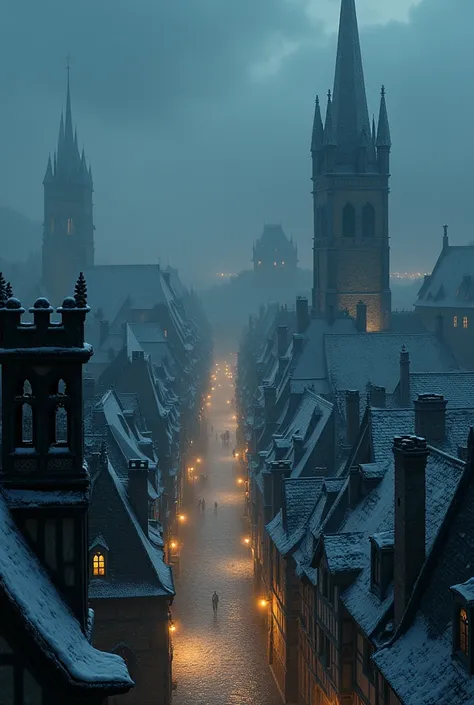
point(219, 660)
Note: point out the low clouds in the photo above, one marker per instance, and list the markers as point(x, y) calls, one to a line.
point(196, 116)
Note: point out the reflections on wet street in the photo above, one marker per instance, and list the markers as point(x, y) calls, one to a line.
point(219, 659)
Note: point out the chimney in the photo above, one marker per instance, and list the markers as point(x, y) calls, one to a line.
point(352, 416)
point(88, 388)
point(138, 491)
point(279, 471)
point(298, 447)
point(282, 340)
point(439, 326)
point(410, 453)
point(355, 486)
point(302, 314)
point(269, 393)
point(104, 332)
point(404, 390)
point(297, 343)
point(361, 317)
point(430, 417)
point(377, 396)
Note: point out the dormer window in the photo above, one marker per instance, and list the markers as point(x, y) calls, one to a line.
point(381, 562)
point(98, 565)
point(465, 322)
point(463, 603)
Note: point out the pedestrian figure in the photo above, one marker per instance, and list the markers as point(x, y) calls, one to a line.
point(233, 453)
point(199, 503)
point(215, 507)
point(203, 504)
point(215, 602)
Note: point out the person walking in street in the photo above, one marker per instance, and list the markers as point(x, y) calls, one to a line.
point(203, 504)
point(215, 602)
point(215, 507)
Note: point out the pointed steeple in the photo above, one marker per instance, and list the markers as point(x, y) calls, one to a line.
point(350, 112)
point(48, 177)
point(61, 135)
point(68, 131)
point(383, 130)
point(373, 129)
point(330, 139)
point(318, 132)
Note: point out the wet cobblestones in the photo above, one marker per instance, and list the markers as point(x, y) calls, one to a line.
point(219, 660)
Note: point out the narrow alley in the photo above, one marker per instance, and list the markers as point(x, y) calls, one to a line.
point(219, 660)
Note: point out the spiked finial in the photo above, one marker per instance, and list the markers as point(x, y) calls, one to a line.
point(374, 134)
point(49, 172)
point(329, 136)
point(383, 130)
point(8, 290)
point(318, 131)
point(3, 293)
point(80, 291)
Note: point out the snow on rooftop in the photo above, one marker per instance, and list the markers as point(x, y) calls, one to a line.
point(344, 552)
point(450, 284)
point(466, 590)
point(27, 584)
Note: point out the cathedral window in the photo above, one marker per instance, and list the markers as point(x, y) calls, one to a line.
point(465, 322)
point(368, 220)
point(61, 425)
point(348, 220)
point(26, 424)
point(455, 322)
point(98, 565)
point(70, 226)
point(463, 632)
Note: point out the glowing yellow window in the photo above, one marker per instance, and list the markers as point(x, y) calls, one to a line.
point(98, 564)
point(69, 226)
point(455, 322)
point(463, 632)
point(465, 322)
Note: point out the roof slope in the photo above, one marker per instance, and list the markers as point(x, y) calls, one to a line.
point(456, 387)
point(46, 617)
point(451, 284)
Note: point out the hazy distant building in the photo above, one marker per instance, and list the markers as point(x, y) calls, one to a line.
point(275, 256)
point(445, 303)
point(350, 174)
point(68, 228)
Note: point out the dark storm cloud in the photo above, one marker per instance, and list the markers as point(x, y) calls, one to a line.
point(192, 149)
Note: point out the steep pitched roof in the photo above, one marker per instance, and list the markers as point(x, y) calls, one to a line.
point(456, 387)
point(135, 567)
point(355, 360)
point(451, 284)
point(26, 590)
point(418, 662)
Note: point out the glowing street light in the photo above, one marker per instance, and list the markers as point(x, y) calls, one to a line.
point(240, 481)
point(172, 627)
point(182, 518)
point(247, 540)
point(263, 602)
point(198, 460)
point(173, 544)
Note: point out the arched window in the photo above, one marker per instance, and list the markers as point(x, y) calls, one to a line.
point(455, 321)
point(348, 220)
point(62, 387)
point(463, 632)
point(465, 322)
point(26, 424)
point(368, 220)
point(27, 391)
point(61, 425)
point(98, 565)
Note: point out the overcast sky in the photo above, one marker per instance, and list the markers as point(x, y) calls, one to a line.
point(196, 116)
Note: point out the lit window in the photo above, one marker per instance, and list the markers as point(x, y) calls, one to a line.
point(259, 262)
point(283, 262)
point(463, 632)
point(69, 226)
point(274, 264)
point(166, 333)
point(455, 322)
point(465, 322)
point(98, 564)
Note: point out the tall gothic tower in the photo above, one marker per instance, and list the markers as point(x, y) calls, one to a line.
point(68, 228)
point(350, 174)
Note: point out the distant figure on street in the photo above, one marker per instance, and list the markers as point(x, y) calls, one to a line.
point(215, 602)
point(233, 453)
point(215, 507)
point(203, 504)
point(216, 436)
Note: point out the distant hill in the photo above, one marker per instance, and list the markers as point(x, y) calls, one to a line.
point(19, 236)
point(404, 295)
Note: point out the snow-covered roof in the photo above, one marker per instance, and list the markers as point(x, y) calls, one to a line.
point(52, 626)
point(356, 360)
point(451, 284)
point(456, 387)
point(344, 552)
point(465, 590)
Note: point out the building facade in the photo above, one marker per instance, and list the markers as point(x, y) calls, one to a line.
point(350, 174)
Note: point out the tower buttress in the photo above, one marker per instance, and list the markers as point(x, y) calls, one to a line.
point(68, 227)
point(350, 192)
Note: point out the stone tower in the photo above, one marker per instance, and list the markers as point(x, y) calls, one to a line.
point(43, 476)
point(350, 174)
point(68, 228)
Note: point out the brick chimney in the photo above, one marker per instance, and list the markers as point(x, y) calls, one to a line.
point(361, 317)
point(377, 396)
point(282, 340)
point(410, 453)
point(430, 417)
point(302, 314)
point(138, 491)
point(279, 471)
point(352, 416)
point(297, 343)
point(269, 394)
point(298, 447)
point(404, 389)
point(355, 486)
point(439, 326)
point(103, 332)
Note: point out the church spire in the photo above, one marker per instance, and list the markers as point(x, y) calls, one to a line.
point(48, 177)
point(330, 139)
point(68, 131)
point(318, 133)
point(383, 130)
point(350, 112)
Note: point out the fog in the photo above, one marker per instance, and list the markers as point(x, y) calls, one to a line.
point(196, 118)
